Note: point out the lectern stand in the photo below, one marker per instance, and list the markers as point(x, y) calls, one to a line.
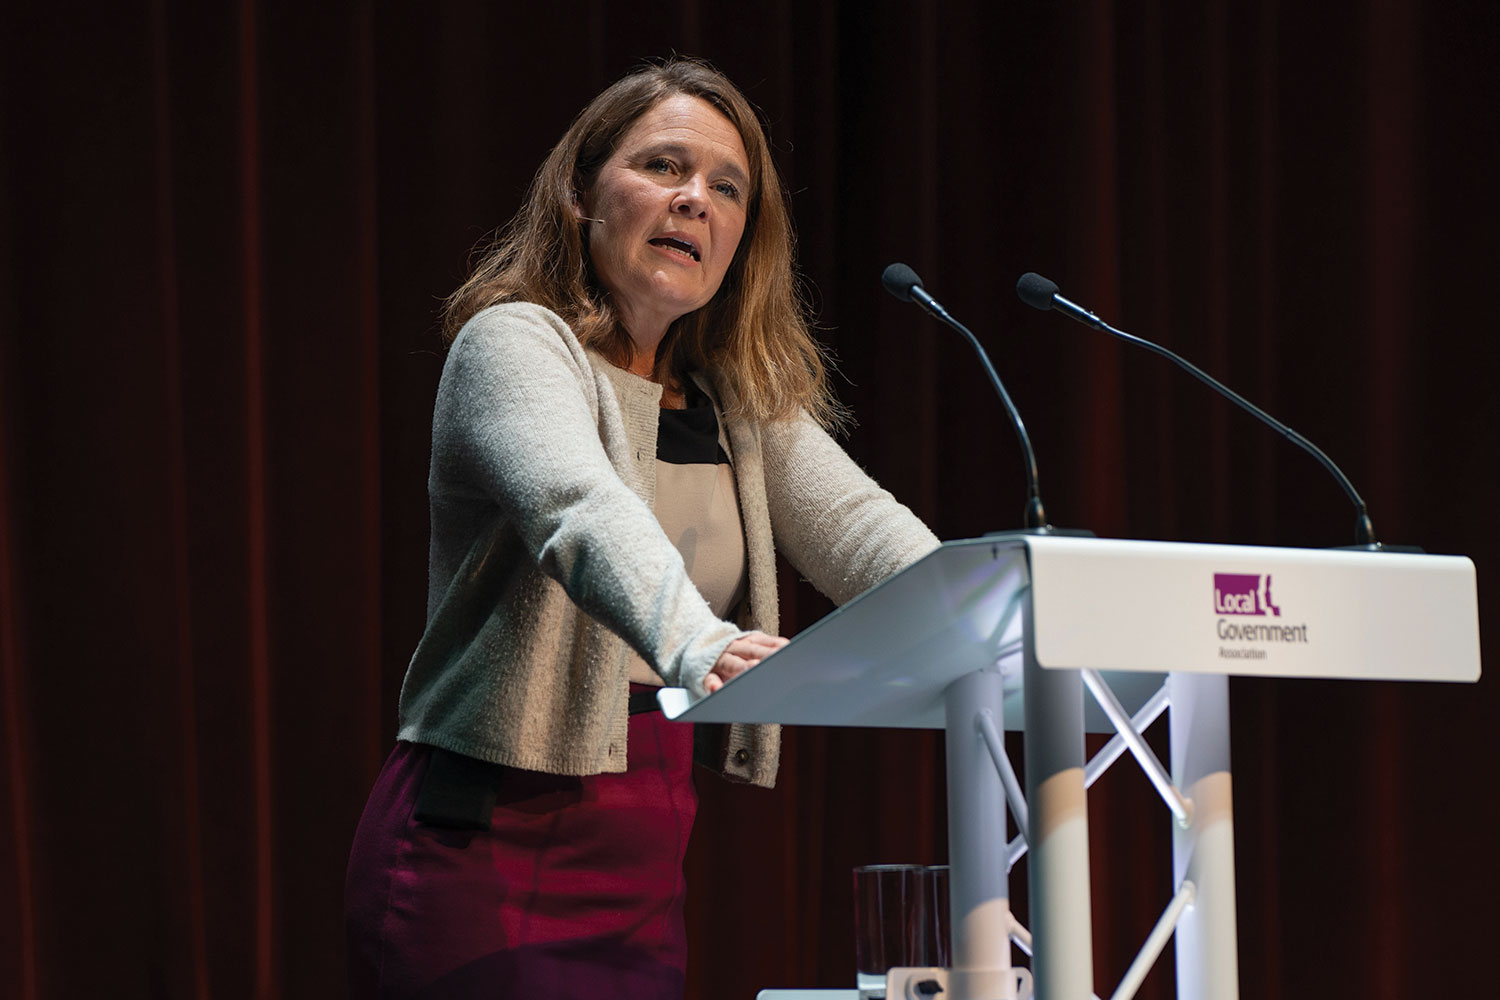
point(988, 634)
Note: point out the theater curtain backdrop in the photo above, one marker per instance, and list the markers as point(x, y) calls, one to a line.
point(224, 233)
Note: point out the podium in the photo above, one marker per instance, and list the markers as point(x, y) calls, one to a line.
point(989, 634)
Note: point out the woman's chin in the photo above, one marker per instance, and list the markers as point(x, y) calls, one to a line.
point(669, 301)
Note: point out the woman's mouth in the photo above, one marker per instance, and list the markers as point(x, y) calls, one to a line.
point(682, 246)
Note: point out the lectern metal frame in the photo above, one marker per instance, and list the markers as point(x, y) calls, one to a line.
point(984, 633)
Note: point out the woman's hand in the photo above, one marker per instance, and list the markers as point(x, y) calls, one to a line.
point(741, 654)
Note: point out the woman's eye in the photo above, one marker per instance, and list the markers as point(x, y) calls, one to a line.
point(728, 190)
point(660, 164)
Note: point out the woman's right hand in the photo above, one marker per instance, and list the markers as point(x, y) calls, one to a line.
point(740, 655)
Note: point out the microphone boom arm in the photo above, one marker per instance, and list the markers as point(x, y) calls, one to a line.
point(1364, 529)
point(1036, 515)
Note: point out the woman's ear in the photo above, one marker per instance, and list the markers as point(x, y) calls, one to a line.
point(580, 214)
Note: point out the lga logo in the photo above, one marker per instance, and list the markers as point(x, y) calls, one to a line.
point(1244, 594)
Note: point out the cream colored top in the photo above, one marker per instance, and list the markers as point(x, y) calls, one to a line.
point(697, 510)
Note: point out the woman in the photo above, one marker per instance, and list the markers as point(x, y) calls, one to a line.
point(630, 418)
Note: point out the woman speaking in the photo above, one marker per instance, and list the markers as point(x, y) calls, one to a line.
point(632, 419)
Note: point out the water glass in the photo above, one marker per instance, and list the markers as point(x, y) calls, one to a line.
point(937, 943)
point(890, 917)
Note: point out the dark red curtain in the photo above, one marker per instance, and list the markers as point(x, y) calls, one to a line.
point(224, 232)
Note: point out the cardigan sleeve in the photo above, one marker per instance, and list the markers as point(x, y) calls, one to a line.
point(834, 523)
point(518, 425)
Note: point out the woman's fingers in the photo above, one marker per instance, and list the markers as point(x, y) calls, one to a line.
point(739, 656)
point(731, 665)
point(756, 645)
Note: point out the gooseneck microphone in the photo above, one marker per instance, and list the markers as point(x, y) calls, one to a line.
point(1039, 293)
point(902, 282)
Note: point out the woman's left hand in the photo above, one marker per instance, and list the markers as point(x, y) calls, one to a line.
point(739, 656)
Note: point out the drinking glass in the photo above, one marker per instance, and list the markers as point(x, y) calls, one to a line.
point(937, 943)
point(890, 914)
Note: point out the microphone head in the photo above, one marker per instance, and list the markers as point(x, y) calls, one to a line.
point(899, 280)
point(1036, 291)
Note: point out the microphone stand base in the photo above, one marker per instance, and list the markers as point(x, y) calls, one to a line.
point(1044, 530)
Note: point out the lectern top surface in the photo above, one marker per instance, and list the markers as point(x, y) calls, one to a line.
point(1130, 607)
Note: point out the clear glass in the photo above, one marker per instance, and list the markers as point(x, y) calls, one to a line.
point(937, 943)
point(890, 914)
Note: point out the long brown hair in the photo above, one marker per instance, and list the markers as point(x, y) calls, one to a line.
point(753, 335)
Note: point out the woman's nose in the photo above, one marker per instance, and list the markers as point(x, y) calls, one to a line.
point(692, 197)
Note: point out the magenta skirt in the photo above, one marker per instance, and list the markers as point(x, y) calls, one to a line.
point(575, 891)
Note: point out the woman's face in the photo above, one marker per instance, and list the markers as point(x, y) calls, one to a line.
point(672, 198)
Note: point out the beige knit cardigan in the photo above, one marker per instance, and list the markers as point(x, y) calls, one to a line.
point(546, 560)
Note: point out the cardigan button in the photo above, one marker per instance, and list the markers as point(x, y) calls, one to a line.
point(741, 755)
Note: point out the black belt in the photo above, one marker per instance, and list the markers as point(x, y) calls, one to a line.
point(643, 701)
point(459, 792)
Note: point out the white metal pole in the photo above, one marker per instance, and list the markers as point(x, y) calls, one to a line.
point(1203, 852)
point(1063, 955)
point(1144, 755)
point(1100, 762)
point(978, 891)
point(995, 741)
point(1155, 942)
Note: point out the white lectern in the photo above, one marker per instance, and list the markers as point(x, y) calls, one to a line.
point(991, 633)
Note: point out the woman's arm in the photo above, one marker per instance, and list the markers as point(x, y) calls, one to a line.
point(834, 523)
point(518, 424)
